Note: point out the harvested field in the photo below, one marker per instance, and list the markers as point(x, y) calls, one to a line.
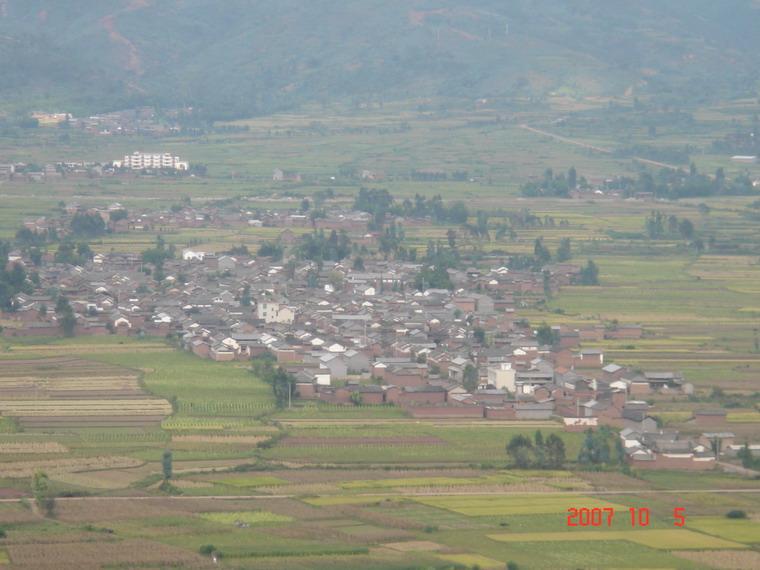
point(603, 481)
point(721, 559)
point(95, 555)
point(360, 441)
point(24, 469)
point(115, 479)
point(74, 392)
point(13, 513)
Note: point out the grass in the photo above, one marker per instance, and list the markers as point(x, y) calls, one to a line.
point(662, 539)
point(247, 517)
point(4, 558)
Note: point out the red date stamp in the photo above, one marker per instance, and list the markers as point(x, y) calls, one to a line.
point(598, 516)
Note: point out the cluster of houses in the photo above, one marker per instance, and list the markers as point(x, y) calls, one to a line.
point(142, 121)
point(367, 336)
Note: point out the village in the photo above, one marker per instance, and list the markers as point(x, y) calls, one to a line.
point(367, 331)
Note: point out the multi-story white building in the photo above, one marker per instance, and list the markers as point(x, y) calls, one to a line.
point(148, 161)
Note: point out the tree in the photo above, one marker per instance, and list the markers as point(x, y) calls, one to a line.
point(572, 178)
point(595, 450)
point(118, 215)
point(564, 250)
point(89, 225)
point(686, 229)
point(166, 464)
point(539, 449)
point(555, 451)
point(282, 385)
point(451, 237)
point(470, 378)
point(541, 252)
point(547, 335)
point(480, 335)
point(590, 274)
point(520, 451)
point(41, 492)
point(270, 249)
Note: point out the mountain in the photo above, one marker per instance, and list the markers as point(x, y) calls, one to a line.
point(242, 57)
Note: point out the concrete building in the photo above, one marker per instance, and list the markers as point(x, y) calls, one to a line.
point(147, 161)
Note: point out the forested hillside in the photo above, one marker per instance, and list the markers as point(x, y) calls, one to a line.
point(242, 57)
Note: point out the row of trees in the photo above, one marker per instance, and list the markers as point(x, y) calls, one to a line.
point(556, 186)
point(659, 225)
point(319, 246)
point(379, 202)
point(539, 453)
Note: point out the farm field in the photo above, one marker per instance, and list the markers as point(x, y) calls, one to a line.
point(335, 489)
point(325, 486)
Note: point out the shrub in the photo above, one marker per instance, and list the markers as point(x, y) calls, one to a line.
point(736, 514)
point(207, 549)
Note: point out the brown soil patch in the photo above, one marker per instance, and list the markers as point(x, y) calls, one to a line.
point(22, 469)
point(738, 560)
point(95, 555)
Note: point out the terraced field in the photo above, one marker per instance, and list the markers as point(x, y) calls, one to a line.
point(74, 392)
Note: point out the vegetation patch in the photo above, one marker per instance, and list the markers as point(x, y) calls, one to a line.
point(239, 518)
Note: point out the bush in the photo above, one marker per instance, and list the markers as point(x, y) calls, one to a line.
point(512, 565)
point(207, 549)
point(3, 534)
point(736, 514)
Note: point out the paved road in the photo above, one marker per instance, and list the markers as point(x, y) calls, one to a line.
point(594, 147)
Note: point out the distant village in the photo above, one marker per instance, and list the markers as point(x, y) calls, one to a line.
point(365, 332)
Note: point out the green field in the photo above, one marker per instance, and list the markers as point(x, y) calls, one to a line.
point(732, 529)
point(660, 539)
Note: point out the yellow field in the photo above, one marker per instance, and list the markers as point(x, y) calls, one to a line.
point(480, 506)
point(471, 560)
